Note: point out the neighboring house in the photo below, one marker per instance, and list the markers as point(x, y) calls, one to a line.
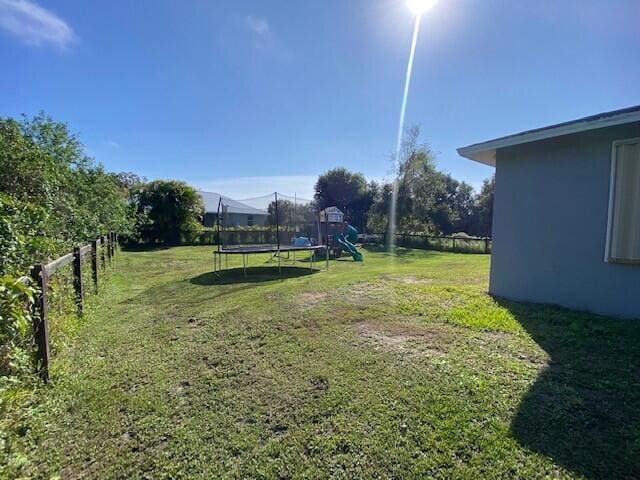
point(566, 220)
point(238, 214)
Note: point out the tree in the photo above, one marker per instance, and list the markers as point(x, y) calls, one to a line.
point(291, 214)
point(171, 211)
point(453, 209)
point(285, 213)
point(429, 201)
point(483, 209)
point(54, 195)
point(346, 190)
point(421, 188)
point(378, 214)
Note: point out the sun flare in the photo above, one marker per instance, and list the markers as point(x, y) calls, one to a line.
point(421, 6)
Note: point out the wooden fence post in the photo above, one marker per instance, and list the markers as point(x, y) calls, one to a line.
point(103, 260)
point(454, 244)
point(94, 263)
point(77, 278)
point(108, 245)
point(40, 324)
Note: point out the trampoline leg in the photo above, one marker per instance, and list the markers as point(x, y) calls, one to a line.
point(226, 260)
point(311, 260)
point(244, 265)
point(279, 269)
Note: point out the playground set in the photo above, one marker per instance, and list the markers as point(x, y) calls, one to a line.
point(339, 234)
point(292, 226)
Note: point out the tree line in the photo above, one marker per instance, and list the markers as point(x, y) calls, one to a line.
point(428, 200)
point(53, 196)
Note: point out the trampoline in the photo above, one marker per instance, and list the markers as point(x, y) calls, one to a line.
point(302, 222)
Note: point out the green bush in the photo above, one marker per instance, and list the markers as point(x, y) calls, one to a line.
point(16, 298)
point(54, 196)
point(169, 212)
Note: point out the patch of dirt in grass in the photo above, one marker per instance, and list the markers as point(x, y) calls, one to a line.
point(363, 294)
point(410, 280)
point(409, 339)
point(312, 298)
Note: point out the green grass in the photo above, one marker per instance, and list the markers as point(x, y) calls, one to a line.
point(398, 367)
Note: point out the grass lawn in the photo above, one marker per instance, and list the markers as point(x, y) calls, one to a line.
point(398, 367)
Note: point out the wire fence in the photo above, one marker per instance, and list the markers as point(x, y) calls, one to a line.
point(419, 241)
point(430, 242)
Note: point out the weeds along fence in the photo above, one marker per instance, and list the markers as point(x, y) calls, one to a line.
point(98, 254)
point(428, 242)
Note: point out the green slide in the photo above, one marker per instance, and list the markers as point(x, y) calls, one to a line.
point(352, 236)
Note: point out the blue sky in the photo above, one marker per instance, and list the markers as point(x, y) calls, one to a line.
point(246, 97)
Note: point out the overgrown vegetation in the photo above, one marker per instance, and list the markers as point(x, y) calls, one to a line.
point(15, 326)
point(52, 194)
point(401, 367)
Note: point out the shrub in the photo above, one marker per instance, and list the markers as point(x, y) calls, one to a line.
point(169, 212)
point(16, 298)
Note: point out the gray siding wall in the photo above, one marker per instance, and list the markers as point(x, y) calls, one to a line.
point(550, 222)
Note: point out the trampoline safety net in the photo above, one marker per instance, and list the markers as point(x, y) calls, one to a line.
point(274, 220)
point(274, 223)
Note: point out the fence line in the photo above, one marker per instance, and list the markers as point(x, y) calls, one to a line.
point(42, 272)
point(421, 241)
point(431, 242)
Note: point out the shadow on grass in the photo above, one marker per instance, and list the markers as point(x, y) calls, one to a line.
point(584, 409)
point(254, 275)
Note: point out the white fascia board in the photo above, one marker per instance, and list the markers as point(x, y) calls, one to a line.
point(485, 152)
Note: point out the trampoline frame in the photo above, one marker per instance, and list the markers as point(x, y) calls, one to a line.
point(276, 250)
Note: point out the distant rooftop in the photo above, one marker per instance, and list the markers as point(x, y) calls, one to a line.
point(211, 200)
point(485, 152)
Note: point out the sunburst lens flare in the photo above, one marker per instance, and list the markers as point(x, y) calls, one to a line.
point(420, 6)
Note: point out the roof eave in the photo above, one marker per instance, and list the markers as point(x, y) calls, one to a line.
point(485, 152)
point(487, 157)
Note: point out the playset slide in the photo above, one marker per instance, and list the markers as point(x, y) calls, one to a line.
point(347, 243)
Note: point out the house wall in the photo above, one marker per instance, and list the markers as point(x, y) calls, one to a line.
point(234, 219)
point(550, 222)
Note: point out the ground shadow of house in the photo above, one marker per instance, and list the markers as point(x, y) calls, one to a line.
point(584, 409)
